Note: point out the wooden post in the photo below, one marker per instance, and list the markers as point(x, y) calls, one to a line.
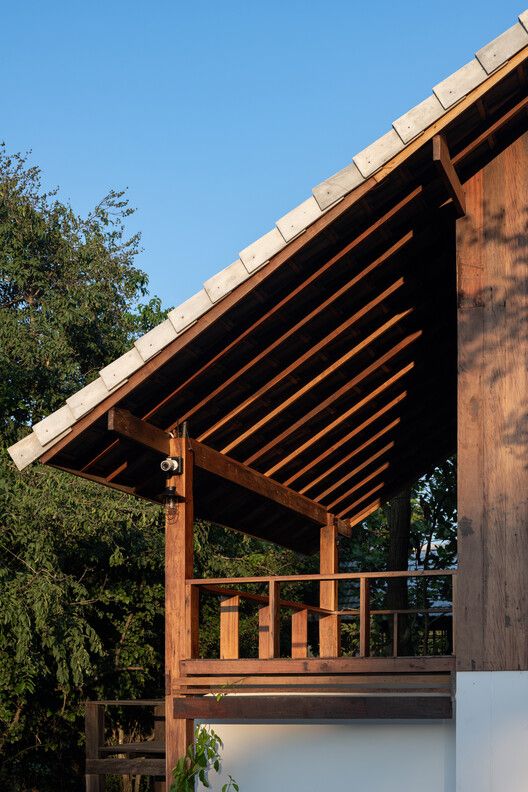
point(274, 622)
point(94, 730)
point(364, 617)
point(229, 623)
point(159, 737)
point(263, 644)
point(492, 615)
point(329, 626)
point(299, 625)
point(180, 628)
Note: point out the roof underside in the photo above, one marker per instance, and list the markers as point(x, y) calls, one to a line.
point(332, 372)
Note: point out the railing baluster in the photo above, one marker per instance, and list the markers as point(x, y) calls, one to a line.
point(364, 617)
point(192, 620)
point(274, 625)
point(395, 634)
point(229, 624)
point(263, 642)
point(299, 625)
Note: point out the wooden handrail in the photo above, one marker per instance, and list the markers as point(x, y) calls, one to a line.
point(318, 577)
point(264, 598)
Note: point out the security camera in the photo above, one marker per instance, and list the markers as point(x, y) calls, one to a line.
point(172, 465)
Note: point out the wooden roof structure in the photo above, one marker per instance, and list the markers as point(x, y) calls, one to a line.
point(317, 373)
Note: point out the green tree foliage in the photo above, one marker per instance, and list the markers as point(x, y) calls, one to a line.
point(81, 592)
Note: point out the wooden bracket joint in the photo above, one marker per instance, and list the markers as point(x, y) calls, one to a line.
point(448, 174)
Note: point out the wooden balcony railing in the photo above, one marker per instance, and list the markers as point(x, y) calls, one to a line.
point(270, 605)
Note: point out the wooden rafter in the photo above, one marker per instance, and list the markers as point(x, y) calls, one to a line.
point(448, 174)
point(300, 360)
point(326, 403)
point(317, 379)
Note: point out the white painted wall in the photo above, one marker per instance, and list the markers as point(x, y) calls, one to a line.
point(397, 756)
point(492, 731)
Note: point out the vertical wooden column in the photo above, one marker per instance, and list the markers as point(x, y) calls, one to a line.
point(263, 628)
point(274, 620)
point(491, 620)
point(94, 731)
point(180, 627)
point(329, 626)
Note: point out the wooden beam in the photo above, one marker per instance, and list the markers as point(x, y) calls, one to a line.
point(94, 734)
point(213, 461)
point(127, 425)
point(448, 174)
point(274, 619)
point(292, 707)
point(354, 472)
point(179, 640)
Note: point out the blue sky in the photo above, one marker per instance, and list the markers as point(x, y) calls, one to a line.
point(219, 117)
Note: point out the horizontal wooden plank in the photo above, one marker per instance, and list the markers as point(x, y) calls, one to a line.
point(138, 766)
point(132, 702)
point(385, 680)
point(329, 576)
point(242, 707)
point(145, 747)
point(320, 665)
point(127, 425)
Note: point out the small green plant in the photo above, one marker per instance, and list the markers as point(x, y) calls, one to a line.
point(201, 757)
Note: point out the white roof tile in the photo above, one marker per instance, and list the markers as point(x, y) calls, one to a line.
point(258, 253)
point(412, 123)
point(155, 340)
point(299, 218)
point(117, 372)
point(460, 83)
point(225, 281)
point(87, 398)
point(53, 425)
point(189, 311)
point(378, 153)
point(338, 185)
point(502, 48)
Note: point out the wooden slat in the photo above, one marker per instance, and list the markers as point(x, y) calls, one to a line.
point(278, 708)
point(229, 627)
point(319, 665)
point(234, 681)
point(448, 174)
point(351, 473)
point(145, 747)
point(136, 766)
